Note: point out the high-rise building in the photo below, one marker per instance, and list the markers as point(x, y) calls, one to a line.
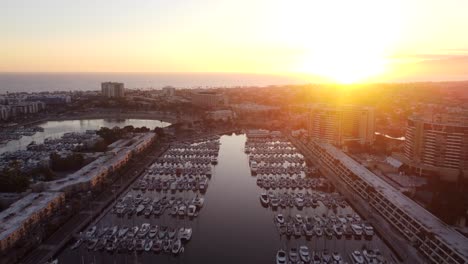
point(112, 89)
point(437, 143)
point(341, 124)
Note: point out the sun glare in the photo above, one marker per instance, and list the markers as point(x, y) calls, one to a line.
point(351, 46)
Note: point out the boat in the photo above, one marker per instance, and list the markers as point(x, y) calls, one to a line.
point(174, 210)
point(337, 259)
point(357, 229)
point(326, 257)
point(157, 246)
point(185, 233)
point(123, 231)
point(92, 243)
point(182, 210)
point(279, 218)
point(253, 167)
point(167, 244)
point(369, 255)
point(274, 203)
point(91, 231)
point(140, 244)
point(148, 210)
point(198, 201)
point(297, 228)
point(368, 230)
point(176, 246)
point(308, 230)
point(140, 208)
point(264, 199)
point(318, 230)
point(304, 254)
point(171, 232)
point(153, 231)
point(357, 257)
point(293, 255)
point(316, 258)
point(144, 230)
point(338, 230)
point(148, 245)
point(214, 160)
point(192, 209)
point(281, 257)
point(298, 218)
point(76, 244)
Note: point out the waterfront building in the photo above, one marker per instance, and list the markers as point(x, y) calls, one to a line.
point(221, 115)
point(50, 99)
point(340, 124)
point(437, 241)
point(208, 99)
point(437, 143)
point(112, 89)
point(18, 220)
point(4, 112)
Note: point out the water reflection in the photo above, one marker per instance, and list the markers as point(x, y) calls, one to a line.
point(232, 227)
point(56, 129)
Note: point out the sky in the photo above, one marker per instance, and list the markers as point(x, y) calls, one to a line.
point(336, 40)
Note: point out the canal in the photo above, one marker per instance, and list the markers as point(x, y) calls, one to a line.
point(232, 227)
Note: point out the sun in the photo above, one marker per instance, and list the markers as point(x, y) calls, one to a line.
point(353, 44)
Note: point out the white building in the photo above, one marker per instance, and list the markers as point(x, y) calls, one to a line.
point(168, 91)
point(112, 89)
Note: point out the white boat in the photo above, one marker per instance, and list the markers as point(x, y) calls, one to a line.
point(264, 199)
point(326, 257)
point(185, 233)
point(192, 209)
point(338, 230)
point(176, 246)
point(279, 218)
point(153, 231)
point(144, 230)
point(198, 201)
point(298, 218)
point(357, 229)
point(304, 254)
point(368, 230)
point(369, 256)
point(214, 160)
point(274, 203)
point(77, 244)
point(337, 259)
point(140, 208)
point(281, 257)
point(253, 166)
point(91, 231)
point(182, 210)
point(148, 245)
point(357, 257)
point(123, 231)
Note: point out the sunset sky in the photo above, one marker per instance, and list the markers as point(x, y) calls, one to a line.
point(343, 41)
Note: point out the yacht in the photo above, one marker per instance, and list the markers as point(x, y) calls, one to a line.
point(91, 231)
point(171, 232)
point(264, 199)
point(338, 230)
point(274, 203)
point(77, 244)
point(153, 231)
point(368, 230)
point(185, 233)
point(140, 209)
point(326, 257)
point(144, 230)
point(176, 247)
point(298, 218)
point(157, 246)
point(192, 209)
point(308, 230)
point(357, 229)
point(337, 259)
point(281, 257)
point(357, 257)
point(318, 230)
point(182, 210)
point(304, 254)
point(279, 218)
point(253, 166)
point(148, 245)
point(214, 160)
point(198, 201)
point(123, 231)
point(293, 255)
point(316, 258)
point(369, 255)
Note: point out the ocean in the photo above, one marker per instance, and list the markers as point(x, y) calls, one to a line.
point(39, 82)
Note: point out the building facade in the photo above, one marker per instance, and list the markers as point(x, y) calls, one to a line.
point(437, 144)
point(435, 240)
point(112, 89)
point(341, 124)
point(208, 99)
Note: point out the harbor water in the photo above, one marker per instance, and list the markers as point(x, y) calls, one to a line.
point(232, 226)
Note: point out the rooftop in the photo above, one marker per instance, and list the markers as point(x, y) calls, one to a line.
point(443, 231)
point(20, 211)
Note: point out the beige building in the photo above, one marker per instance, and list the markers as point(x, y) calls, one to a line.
point(21, 217)
point(437, 143)
point(340, 124)
point(112, 89)
point(208, 99)
point(434, 239)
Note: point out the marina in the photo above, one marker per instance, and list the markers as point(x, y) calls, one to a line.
point(226, 218)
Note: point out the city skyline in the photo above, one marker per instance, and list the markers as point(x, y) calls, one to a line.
point(358, 41)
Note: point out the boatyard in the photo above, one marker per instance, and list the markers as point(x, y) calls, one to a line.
point(278, 208)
